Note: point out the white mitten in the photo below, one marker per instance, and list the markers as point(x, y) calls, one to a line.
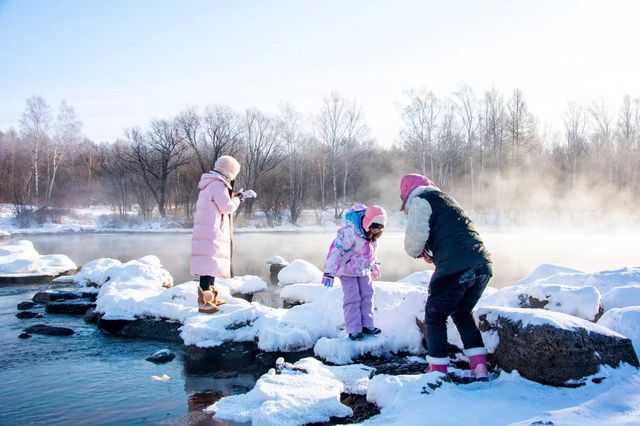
point(249, 193)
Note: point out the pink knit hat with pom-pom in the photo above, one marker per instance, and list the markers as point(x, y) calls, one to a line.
point(374, 214)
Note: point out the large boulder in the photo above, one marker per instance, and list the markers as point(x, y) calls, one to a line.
point(551, 347)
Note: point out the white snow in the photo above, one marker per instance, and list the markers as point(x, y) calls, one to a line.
point(246, 284)
point(137, 289)
point(625, 321)
point(582, 302)
point(542, 317)
point(507, 400)
point(418, 278)
point(604, 281)
point(277, 260)
point(299, 271)
point(295, 397)
point(622, 297)
point(305, 293)
point(22, 260)
point(93, 273)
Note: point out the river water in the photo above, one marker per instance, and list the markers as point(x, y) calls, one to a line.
point(92, 378)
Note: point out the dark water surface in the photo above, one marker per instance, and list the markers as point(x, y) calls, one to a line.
point(92, 378)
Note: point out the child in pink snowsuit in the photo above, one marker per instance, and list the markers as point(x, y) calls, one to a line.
point(352, 257)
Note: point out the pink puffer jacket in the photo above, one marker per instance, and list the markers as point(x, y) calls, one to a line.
point(212, 234)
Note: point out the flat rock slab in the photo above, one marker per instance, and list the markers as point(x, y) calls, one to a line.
point(28, 315)
point(48, 330)
point(45, 297)
point(23, 306)
point(32, 279)
point(153, 328)
point(70, 307)
point(551, 355)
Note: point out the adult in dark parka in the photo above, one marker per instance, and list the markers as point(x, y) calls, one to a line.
point(439, 231)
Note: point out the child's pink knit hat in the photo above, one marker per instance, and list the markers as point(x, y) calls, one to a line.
point(410, 182)
point(374, 214)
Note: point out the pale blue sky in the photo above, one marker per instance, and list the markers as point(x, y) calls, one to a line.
point(120, 63)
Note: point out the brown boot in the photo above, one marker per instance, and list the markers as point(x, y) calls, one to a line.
point(207, 306)
point(217, 301)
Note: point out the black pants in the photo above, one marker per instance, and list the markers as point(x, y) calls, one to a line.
point(206, 281)
point(455, 295)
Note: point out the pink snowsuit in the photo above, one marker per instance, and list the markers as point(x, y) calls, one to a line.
point(352, 257)
point(212, 232)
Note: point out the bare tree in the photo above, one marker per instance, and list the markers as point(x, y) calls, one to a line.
point(222, 133)
point(469, 118)
point(519, 126)
point(157, 155)
point(575, 125)
point(67, 134)
point(294, 143)
point(264, 150)
point(419, 117)
point(35, 124)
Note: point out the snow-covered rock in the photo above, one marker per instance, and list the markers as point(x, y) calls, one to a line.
point(246, 284)
point(625, 321)
point(23, 260)
point(277, 260)
point(137, 288)
point(551, 347)
point(604, 281)
point(295, 294)
point(92, 274)
point(299, 271)
point(582, 302)
point(305, 392)
point(507, 400)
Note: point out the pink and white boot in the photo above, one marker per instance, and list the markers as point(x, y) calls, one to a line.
point(478, 363)
point(439, 365)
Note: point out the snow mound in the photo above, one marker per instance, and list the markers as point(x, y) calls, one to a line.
point(277, 260)
point(625, 321)
point(247, 284)
point(548, 270)
point(622, 297)
point(604, 281)
point(305, 392)
point(581, 302)
point(93, 273)
point(135, 288)
point(418, 278)
point(410, 399)
point(299, 271)
point(304, 293)
point(22, 259)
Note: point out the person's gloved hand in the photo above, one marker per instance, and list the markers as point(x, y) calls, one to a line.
point(427, 258)
point(327, 280)
point(375, 271)
point(248, 193)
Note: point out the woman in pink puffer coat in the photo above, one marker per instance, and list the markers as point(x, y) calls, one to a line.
point(213, 229)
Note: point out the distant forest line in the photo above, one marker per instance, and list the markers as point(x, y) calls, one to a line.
point(488, 151)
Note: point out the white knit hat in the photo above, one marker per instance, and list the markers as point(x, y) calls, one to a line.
point(228, 166)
